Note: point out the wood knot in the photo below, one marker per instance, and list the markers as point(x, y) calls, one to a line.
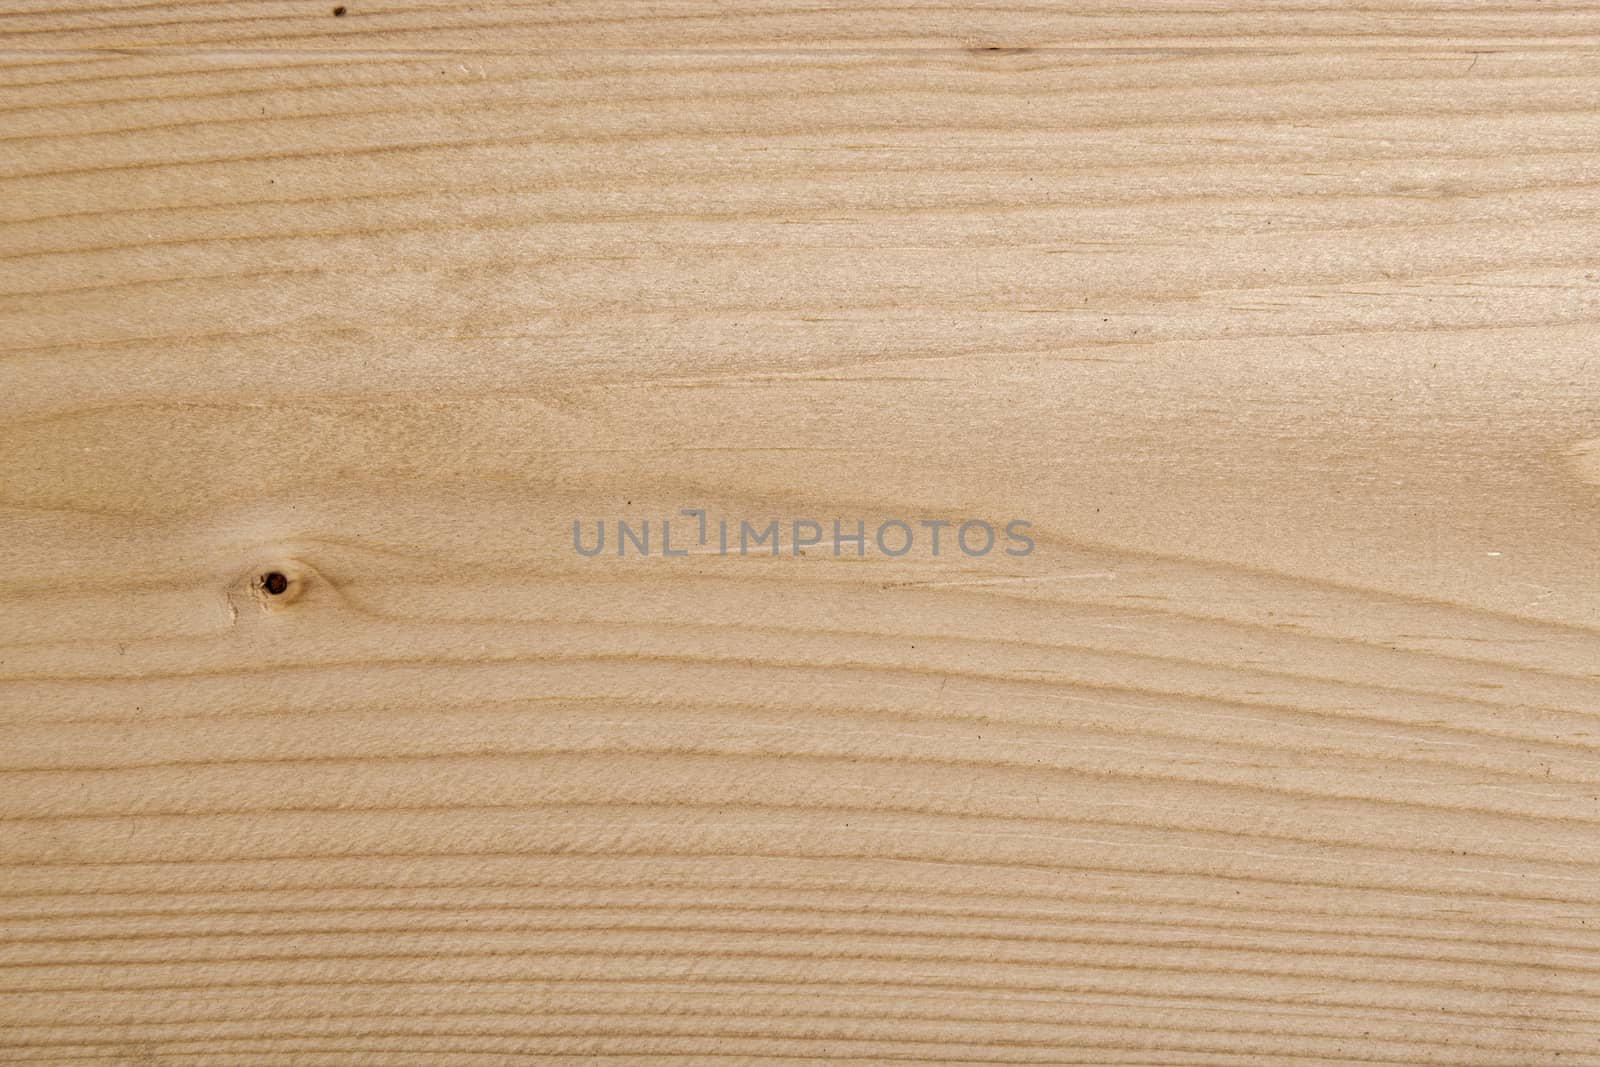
point(279, 584)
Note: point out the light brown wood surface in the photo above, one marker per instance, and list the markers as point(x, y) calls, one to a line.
point(1279, 324)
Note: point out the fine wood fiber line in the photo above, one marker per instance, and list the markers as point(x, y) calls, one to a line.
point(1265, 730)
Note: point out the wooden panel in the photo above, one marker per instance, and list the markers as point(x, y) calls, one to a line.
point(1280, 746)
point(784, 24)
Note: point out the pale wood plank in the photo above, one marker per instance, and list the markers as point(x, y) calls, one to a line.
point(41, 25)
point(1280, 748)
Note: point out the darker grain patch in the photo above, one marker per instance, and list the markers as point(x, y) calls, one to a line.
point(989, 50)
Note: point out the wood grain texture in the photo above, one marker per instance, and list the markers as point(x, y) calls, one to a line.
point(1280, 327)
point(788, 25)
